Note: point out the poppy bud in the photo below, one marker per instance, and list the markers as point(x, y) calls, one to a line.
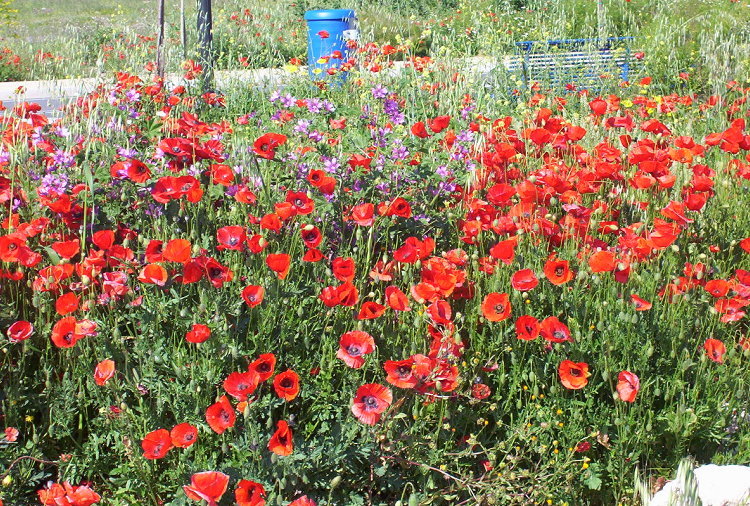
point(336, 482)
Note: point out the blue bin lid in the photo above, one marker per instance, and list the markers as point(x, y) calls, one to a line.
point(327, 14)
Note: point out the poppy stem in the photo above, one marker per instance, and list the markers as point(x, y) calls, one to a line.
point(27, 457)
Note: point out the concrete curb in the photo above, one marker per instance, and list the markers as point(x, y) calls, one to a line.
point(55, 93)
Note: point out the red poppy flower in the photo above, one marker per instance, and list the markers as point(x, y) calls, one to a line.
point(67, 249)
point(573, 376)
point(156, 444)
point(396, 299)
point(370, 402)
point(554, 331)
point(279, 263)
point(153, 274)
point(265, 145)
point(177, 250)
point(220, 415)
point(343, 268)
point(602, 261)
point(249, 493)
point(64, 333)
point(398, 207)
point(281, 442)
point(598, 107)
point(286, 385)
point(505, 251)
point(557, 271)
point(301, 203)
point(216, 273)
point(401, 373)
point(222, 174)
point(745, 244)
point(55, 494)
point(19, 331)
point(154, 251)
point(440, 123)
point(264, 365)
point(480, 391)
point(527, 328)
point(183, 435)
point(312, 255)
point(370, 310)
point(11, 246)
point(496, 307)
point(253, 295)
point(207, 486)
point(323, 34)
point(353, 346)
point(419, 130)
point(715, 350)
point(271, 221)
point(241, 384)
point(311, 236)
point(103, 239)
point(303, 501)
point(11, 434)
point(717, 287)
point(524, 280)
point(104, 371)
point(628, 385)
point(198, 334)
point(362, 214)
point(66, 303)
point(231, 237)
point(640, 304)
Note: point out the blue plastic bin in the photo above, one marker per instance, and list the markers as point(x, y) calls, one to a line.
point(328, 31)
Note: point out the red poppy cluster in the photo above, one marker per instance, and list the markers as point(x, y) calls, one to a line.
point(55, 494)
point(156, 444)
point(594, 209)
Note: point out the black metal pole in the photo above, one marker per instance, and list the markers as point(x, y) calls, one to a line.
point(205, 40)
point(160, 64)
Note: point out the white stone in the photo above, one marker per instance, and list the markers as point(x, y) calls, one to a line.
point(717, 486)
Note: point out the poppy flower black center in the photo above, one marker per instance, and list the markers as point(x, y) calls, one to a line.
point(575, 372)
point(559, 334)
point(12, 246)
point(262, 367)
point(286, 383)
point(370, 402)
point(224, 416)
point(354, 350)
point(559, 271)
point(68, 337)
point(403, 371)
point(499, 308)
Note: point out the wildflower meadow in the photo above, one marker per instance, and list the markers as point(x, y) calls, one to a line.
point(425, 284)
